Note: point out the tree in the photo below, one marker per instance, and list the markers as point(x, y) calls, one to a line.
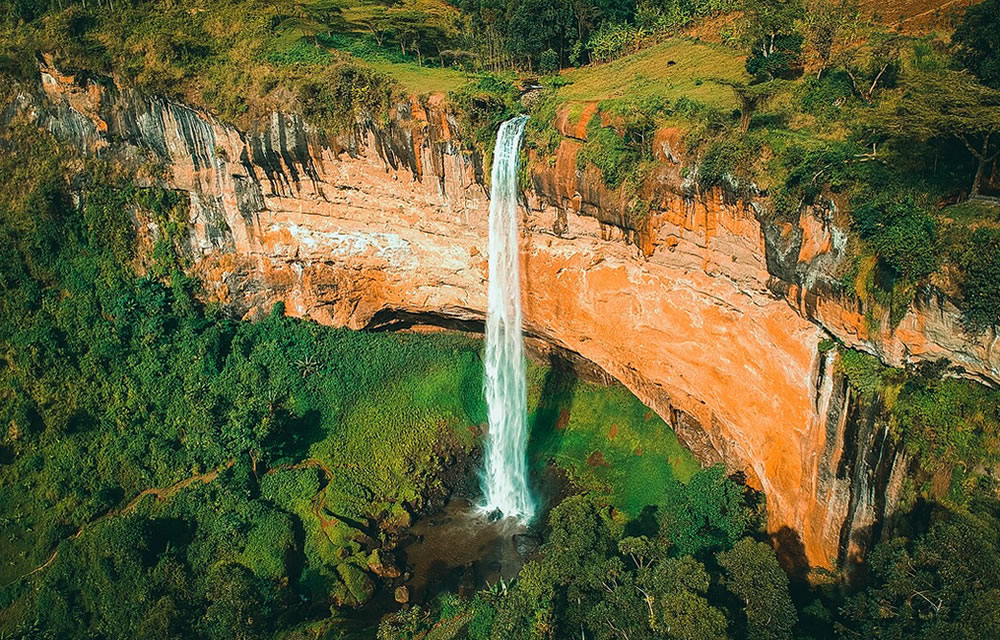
point(829, 24)
point(416, 30)
point(754, 575)
point(377, 23)
point(767, 30)
point(977, 38)
point(705, 514)
point(240, 606)
point(310, 18)
point(871, 61)
point(582, 533)
point(942, 584)
point(901, 233)
point(538, 25)
point(948, 104)
point(751, 96)
point(678, 587)
point(980, 283)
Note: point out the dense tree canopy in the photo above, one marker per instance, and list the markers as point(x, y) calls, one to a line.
point(948, 103)
point(942, 584)
point(978, 39)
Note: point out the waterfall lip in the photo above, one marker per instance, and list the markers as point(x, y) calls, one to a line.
point(504, 477)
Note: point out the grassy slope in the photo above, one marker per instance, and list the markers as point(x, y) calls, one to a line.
point(420, 80)
point(413, 78)
point(604, 438)
point(648, 72)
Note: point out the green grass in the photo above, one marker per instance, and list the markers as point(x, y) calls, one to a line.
point(400, 420)
point(605, 439)
point(387, 58)
point(420, 80)
point(648, 73)
point(972, 211)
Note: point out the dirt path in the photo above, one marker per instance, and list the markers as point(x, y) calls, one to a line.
point(164, 493)
point(161, 493)
point(319, 499)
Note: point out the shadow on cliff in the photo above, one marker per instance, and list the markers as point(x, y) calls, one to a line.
point(549, 418)
point(399, 320)
point(791, 554)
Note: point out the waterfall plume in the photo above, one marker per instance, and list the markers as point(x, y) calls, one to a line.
point(505, 471)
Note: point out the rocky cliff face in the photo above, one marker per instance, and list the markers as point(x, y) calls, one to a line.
point(708, 314)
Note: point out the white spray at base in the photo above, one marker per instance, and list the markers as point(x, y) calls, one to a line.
point(505, 472)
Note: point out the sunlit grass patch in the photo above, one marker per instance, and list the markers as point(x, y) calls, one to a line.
point(650, 72)
point(606, 440)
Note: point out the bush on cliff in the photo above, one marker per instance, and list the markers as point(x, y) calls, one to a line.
point(943, 422)
point(481, 106)
point(978, 256)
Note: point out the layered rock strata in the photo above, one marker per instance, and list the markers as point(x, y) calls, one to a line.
point(710, 315)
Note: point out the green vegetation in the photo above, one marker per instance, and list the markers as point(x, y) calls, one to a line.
point(649, 73)
point(943, 422)
point(166, 471)
point(887, 123)
point(612, 578)
point(117, 382)
point(977, 40)
point(605, 576)
point(977, 253)
point(942, 583)
point(631, 456)
point(240, 59)
point(753, 574)
point(904, 238)
point(482, 105)
point(767, 30)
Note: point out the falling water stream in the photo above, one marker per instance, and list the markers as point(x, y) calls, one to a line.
point(505, 472)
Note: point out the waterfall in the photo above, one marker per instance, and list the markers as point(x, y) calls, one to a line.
point(505, 473)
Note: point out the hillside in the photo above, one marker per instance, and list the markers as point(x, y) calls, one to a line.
point(256, 377)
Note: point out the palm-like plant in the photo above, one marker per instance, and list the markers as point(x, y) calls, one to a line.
point(307, 366)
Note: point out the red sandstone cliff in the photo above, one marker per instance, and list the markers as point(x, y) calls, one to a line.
point(709, 314)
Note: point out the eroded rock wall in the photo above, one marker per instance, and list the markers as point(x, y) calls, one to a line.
point(708, 314)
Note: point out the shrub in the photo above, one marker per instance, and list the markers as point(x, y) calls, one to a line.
point(548, 62)
point(338, 96)
point(612, 40)
point(865, 372)
point(901, 234)
point(825, 98)
point(731, 162)
point(979, 262)
point(940, 421)
point(482, 105)
point(619, 149)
